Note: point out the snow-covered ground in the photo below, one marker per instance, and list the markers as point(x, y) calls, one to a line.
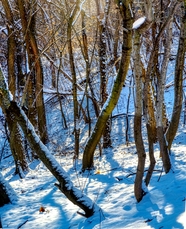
point(110, 185)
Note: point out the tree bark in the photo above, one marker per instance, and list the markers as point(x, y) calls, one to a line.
point(151, 130)
point(16, 141)
point(138, 189)
point(74, 84)
point(36, 77)
point(11, 47)
point(116, 90)
point(178, 82)
point(102, 27)
point(6, 191)
point(151, 154)
point(161, 77)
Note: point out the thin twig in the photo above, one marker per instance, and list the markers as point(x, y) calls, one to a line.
point(160, 174)
point(22, 224)
point(155, 170)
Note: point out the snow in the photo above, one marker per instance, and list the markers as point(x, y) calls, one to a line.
point(138, 22)
point(110, 186)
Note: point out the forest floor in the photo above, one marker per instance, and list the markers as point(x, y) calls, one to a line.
point(110, 185)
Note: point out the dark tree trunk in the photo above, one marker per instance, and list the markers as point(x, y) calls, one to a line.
point(5, 190)
point(138, 190)
point(163, 149)
point(4, 197)
point(151, 154)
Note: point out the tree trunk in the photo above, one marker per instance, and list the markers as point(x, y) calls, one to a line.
point(28, 97)
point(116, 90)
point(116, 40)
point(11, 47)
point(161, 77)
point(150, 67)
point(139, 76)
point(74, 84)
point(151, 155)
point(16, 145)
point(16, 141)
point(7, 194)
point(151, 130)
point(138, 189)
point(102, 26)
point(178, 82)
point(36, 74)
point(87, 63)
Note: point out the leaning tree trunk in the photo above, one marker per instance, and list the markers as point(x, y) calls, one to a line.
point(65, 185)
point(178, 82)
point(116, 90)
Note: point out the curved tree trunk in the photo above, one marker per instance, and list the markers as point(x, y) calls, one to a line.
point(116, 90)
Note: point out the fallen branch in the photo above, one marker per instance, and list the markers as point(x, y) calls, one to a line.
point(155, 170)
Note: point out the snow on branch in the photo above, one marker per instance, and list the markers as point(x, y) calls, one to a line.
point(138, 23)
